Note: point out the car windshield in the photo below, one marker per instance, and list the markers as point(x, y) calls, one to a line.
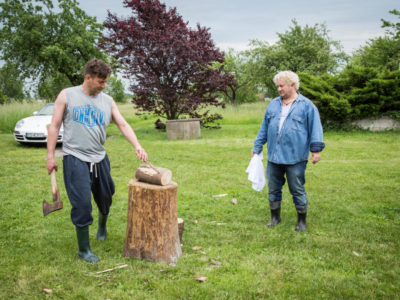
point(46, 111)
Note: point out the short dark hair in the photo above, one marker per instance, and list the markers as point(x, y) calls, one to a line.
point(97, 67)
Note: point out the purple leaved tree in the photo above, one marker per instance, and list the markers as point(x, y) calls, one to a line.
point(170, 66)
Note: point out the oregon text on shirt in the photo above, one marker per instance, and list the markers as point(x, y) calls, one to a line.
point(88, 115)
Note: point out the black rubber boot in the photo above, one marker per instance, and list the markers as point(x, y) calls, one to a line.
point(275, 213)
point(301, 218)
point(84, 252)
point(102, 230)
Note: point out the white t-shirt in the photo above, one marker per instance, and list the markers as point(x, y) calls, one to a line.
point(284, 114)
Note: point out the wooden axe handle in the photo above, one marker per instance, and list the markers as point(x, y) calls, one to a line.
point(54, 182)
point(153, 167)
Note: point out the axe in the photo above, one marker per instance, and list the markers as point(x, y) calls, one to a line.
point(57, 203)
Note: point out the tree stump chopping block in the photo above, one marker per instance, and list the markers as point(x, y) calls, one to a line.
point(152, 226)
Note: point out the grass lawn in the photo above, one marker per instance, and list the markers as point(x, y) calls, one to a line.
point(349, 251)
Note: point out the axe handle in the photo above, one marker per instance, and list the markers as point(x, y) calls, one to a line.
point(153, 167)
point(53, 182)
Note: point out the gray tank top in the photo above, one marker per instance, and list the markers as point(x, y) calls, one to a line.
point(85, 122)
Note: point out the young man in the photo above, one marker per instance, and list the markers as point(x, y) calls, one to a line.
point(85, 112)
point(292, 128)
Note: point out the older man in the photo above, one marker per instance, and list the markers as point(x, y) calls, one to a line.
point(86, 112)
point(292, 129)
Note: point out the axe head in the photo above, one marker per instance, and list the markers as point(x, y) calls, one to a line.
point(50, 207)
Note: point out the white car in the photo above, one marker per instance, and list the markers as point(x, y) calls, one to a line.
point(33, 129)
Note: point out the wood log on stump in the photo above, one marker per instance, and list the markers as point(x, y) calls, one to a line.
point(152, 227)
point(154, 175)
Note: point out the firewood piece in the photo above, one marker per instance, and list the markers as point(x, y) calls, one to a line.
point(153, 175)
point(112, 269)
point(152, 227)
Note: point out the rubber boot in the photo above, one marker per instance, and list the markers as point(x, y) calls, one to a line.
point(102, 230)
point(301, 218)
point(84, 252)
point(275, 213)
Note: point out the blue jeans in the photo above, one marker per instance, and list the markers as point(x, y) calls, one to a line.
point(295, 175)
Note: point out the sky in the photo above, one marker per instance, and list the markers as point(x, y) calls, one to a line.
point(233, 23)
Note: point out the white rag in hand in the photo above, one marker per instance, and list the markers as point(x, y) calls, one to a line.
point(256, 172)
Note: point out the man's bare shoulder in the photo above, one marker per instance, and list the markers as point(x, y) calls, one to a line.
point(61, 101)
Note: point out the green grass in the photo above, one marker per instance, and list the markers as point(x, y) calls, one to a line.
point(350, 250)
point(11, 113)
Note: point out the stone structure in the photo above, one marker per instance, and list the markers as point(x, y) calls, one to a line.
point(377, 124)
point(183, 129)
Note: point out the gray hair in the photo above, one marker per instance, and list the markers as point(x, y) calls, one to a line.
point(289, 76)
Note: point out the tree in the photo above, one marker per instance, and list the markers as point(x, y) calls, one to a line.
point(243, 88)
point(381, 52)
point(115, 88)
point(11, 83)
point(264, 62)
point(44, 41)
point(371, 80)
point(3, 98)
point(50, 85)
point(169, 64)
point(310, 49)
point(393, 29)
point(300, 49)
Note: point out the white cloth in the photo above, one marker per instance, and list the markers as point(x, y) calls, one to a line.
point(256, 172)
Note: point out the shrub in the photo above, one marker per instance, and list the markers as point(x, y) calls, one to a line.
point(331, 104)
point(369, 91)
point(357, 92)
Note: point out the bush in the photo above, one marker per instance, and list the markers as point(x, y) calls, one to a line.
point(357, 92)
point(331, 104)
point(369, 91)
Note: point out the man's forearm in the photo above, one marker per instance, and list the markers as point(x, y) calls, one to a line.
point(51, 141)
point(51, 146)
point(130, 135)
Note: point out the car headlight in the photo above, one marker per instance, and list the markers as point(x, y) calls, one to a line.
point(19, 124)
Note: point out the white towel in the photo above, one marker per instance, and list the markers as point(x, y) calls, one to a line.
point(256, 172)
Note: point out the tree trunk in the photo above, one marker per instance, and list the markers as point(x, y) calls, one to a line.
point(152, 227)
point(233, 97)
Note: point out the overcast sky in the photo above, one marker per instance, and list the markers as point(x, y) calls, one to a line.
point(233, 23)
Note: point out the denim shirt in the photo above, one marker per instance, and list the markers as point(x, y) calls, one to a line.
point(301, 132)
